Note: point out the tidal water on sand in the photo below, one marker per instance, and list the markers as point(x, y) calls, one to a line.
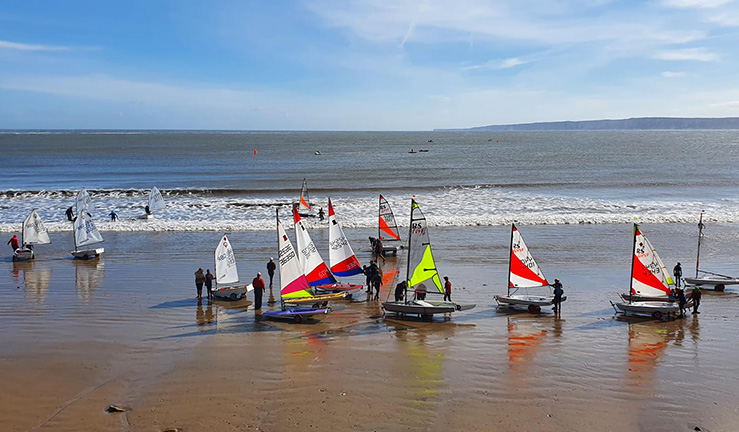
point(127, 329)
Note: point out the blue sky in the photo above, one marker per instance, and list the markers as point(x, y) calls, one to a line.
point(362, 65)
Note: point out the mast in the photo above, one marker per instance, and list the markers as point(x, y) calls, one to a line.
point(277, 230)
point(408, 263)
point(700, 235)
point(215, 264)
point(633, 257)
point(379, 215)
point(510, 255)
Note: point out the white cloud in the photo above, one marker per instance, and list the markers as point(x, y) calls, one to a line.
point(688, 54)
point(498, 64)
point(30, 47)
point(669, 74)
point(728, 104)
point(702, 4)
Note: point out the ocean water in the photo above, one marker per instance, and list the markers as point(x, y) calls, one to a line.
point(215, 181)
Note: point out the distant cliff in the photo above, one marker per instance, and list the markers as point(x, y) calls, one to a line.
point(643, 123)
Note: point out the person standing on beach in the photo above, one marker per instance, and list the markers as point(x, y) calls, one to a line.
point(379, 249)
point(70, 214)
point(271, 266)
point(258, 284)
point(696, 297)
point(209, 283)
point(400, 291)
point(378, 282)
point(199, 279)
point(681, 300)
point(447, 289)
point(13, 242)
point(558, 291)
point(678, 273)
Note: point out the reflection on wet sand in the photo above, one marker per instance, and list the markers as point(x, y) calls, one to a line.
point(36, 279)
point(203, 317)
point(88, 276)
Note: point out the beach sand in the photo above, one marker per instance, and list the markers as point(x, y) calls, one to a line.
point(80, 336)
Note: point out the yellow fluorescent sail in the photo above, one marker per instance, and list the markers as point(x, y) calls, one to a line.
point(426, 270)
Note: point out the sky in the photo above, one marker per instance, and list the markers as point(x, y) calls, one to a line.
point(364, 64)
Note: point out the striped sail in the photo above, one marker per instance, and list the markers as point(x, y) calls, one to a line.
point(649, 276)
point(85, 231)
point(304, 203)
point(524, 270)
point(293, 283)
point(340, 254)
point(82, 202)
point(226, 271)
point(34, 232)
point(388, 229)
point(421, 263)
point(313, 266)
point(156, 202)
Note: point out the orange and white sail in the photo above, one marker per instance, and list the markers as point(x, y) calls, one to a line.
point(340, 254)
point(649, 276)
point(304, 203)
point(314, 267)
point(388, 228)
point(524, 271)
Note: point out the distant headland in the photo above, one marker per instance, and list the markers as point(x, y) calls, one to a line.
point(642, 123)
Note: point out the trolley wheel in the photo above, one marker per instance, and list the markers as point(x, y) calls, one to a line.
point(720, 287)
point(657, 315)
point(534, 309)
point(298, 319)
point(232, 296)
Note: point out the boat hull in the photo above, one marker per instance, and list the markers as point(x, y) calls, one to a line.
point(643, 298)
point(337, 288)
point(88, 253)
point(717, 283)
point(391, 250)
point(424, 308)
point(317, 301)
point(296, 315)
point(232, 292)
point(650, 308)
point(146, 216)
point(23, 254)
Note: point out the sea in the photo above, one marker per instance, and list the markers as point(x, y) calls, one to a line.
point(234, 180)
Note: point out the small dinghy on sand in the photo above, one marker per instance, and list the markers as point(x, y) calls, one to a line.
point(85, 231)
point(706, 279)
point(649, 278)
point(227, 273)
point(421, 268)
point(294, 288)
point(155, 202)
point(524, 272)
point(33, 232)
point(387, 229)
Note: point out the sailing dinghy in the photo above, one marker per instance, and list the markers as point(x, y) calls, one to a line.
point(524, 272)
point(707, 279)
point(33, 232)
point(86, 234)
point(294, 287)
point(315, 269)
point(340, 255)
point(305, 207)
point(387, 229)
point(649, 280)
point(227, 273)
point(421, 268)
point(155, 202)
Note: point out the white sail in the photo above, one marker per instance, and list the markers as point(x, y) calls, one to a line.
point(340, 254)
point(314, 267)
point(649, 275)
point(226, 272)
point(524, 271)
point(293, 283)
point(34, 231)
point(85, 231)
point(82, 202)
point(156, 202)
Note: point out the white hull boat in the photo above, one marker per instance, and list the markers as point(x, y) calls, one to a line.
point(33, 232)
point(391, 249)
point(23, 254)
point(642, 298)
point(88, 253)
point(532, 302)
point(146, 216)
point(424, 308)
point(707, 279)
point(649, 308)
point(232, 292)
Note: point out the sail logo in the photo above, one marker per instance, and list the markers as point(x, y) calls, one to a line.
point(338, 243)
point(286, 254)
point(228, 257)
point(309, 250)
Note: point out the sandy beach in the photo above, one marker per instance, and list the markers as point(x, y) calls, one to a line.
point(80, 336)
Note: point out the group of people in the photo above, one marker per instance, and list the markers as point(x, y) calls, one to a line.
point(679, 293)
point(373, 279)
point(207, 278)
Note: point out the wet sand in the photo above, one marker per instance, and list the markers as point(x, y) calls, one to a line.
point(80, 336)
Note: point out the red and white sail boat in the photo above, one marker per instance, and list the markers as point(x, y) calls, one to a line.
point(315, 269)
point(650, 282)
point(524, 272)
point(387, 229)
point(340, 254)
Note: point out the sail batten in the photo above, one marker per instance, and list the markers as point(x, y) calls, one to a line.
point(649, 276)
point(421, 265)
point(341, 257)
point(225, 263)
